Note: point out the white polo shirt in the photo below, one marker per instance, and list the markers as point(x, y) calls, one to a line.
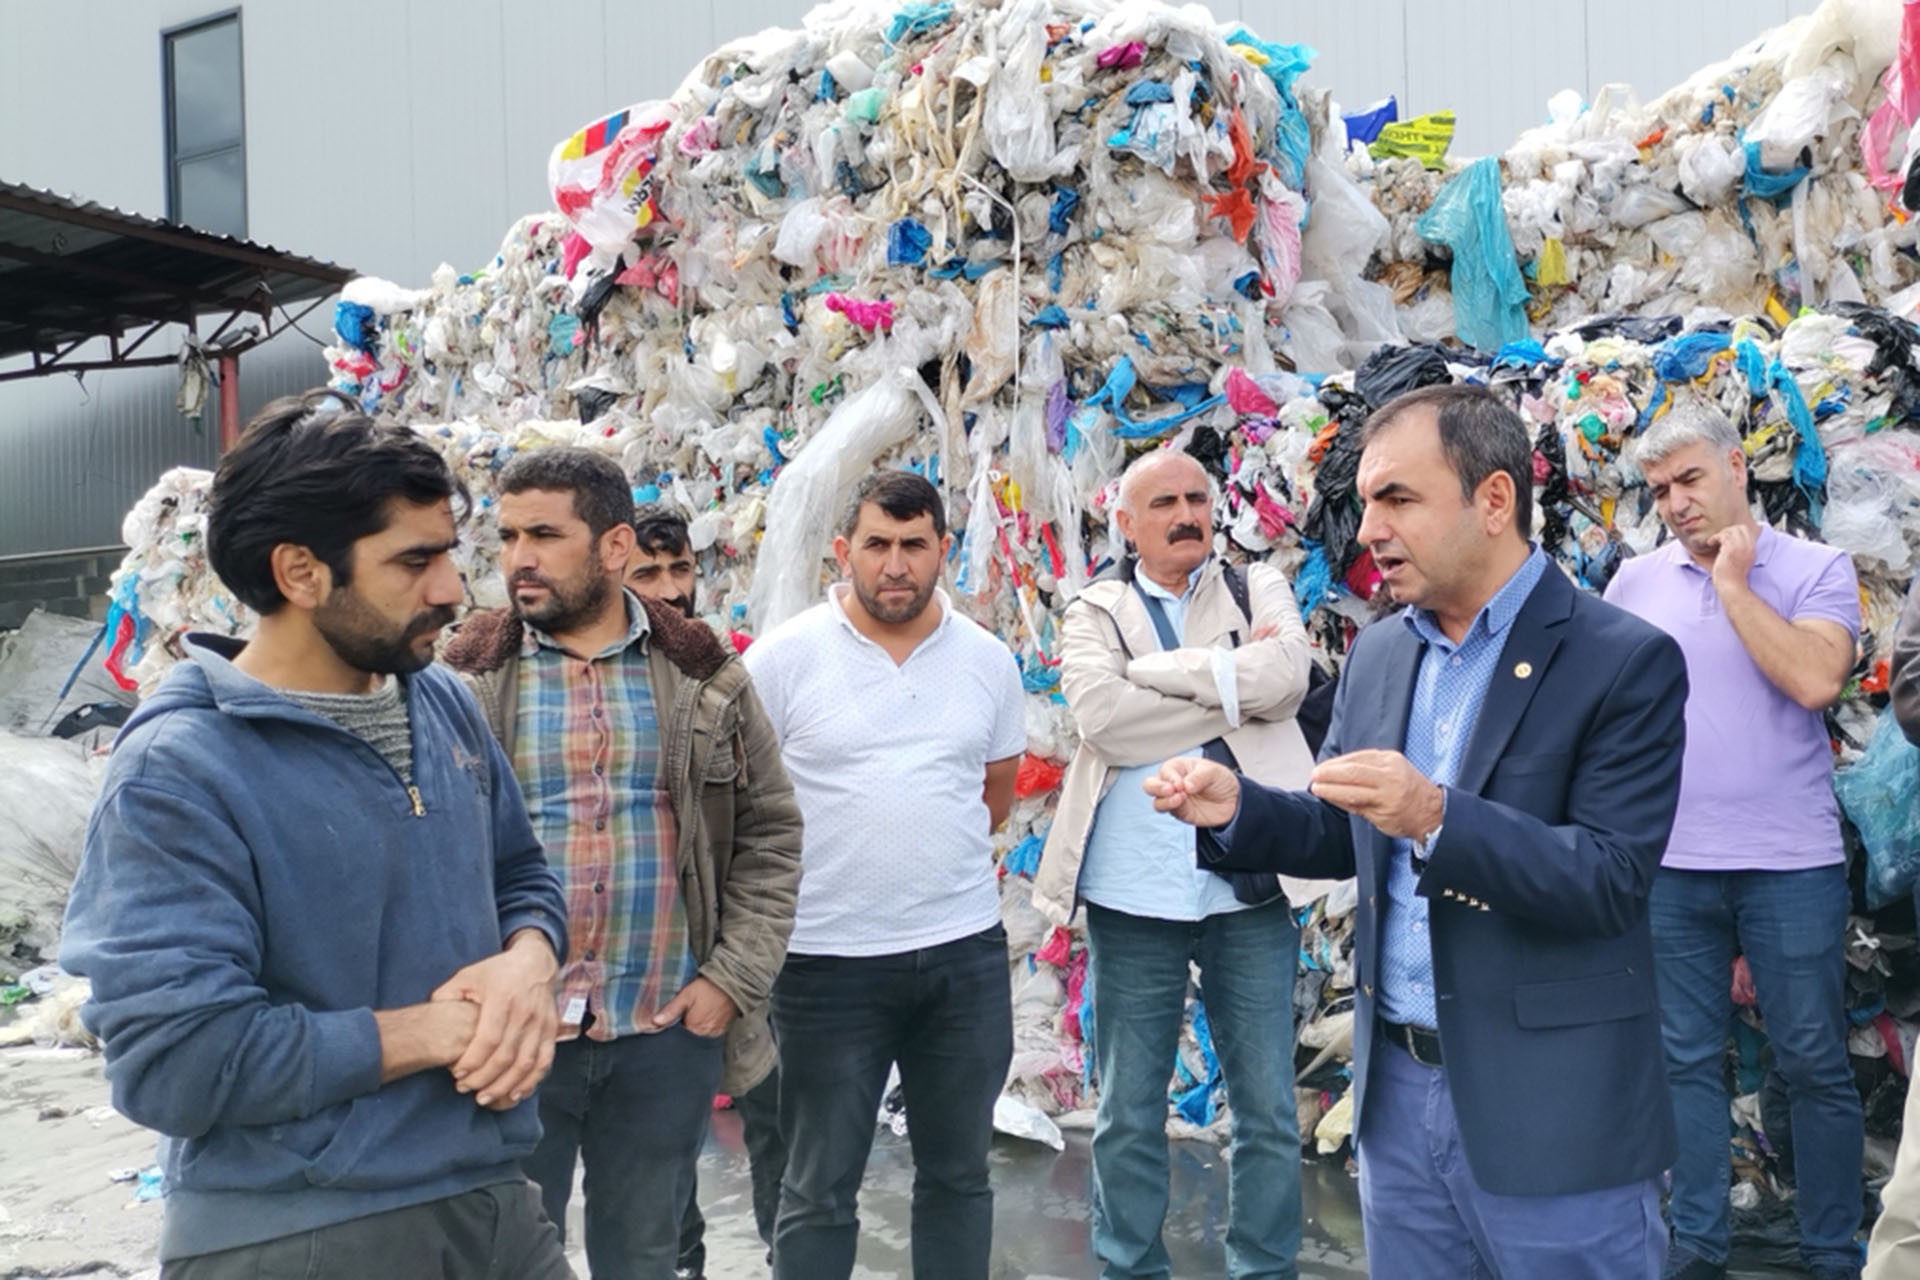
point(888, 763)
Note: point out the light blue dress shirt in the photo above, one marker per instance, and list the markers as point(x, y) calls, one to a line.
point(1139, 860)
point(1447, 697)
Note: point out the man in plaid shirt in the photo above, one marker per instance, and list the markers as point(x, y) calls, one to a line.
point(653, 779)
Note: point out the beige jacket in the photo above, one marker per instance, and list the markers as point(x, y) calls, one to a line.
point(1893, 1251)
point(1135, 704)
point(739, 825)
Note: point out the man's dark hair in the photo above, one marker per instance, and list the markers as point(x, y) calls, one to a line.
point(902, 495)
point(314, 471)
point(601, 495)
point(1479, 436)
point(658, 531)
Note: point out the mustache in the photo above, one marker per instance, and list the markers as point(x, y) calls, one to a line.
point(1186, 533)
point(434, 619)
point(527, 578)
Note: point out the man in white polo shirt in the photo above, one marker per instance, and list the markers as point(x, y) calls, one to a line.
point(902, 726)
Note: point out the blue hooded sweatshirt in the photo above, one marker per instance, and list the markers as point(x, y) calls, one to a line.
point(257, 881)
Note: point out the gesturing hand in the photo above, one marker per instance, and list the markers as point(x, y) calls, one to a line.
point(1384, 788)
point(704, 1008)
point(1196, 791)
point(512, 1046)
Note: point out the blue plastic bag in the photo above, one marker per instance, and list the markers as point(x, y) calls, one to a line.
point(1489, 293)
point(1881, 794)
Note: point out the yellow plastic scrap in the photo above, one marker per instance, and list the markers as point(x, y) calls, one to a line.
point(1777, 312)
point(1550, 268)
point(1607, 508)
point(1425, 138)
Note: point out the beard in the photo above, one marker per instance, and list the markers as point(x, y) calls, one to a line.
point(568, 606)
point(683, 603)
point(893, 614)
point(363, 638)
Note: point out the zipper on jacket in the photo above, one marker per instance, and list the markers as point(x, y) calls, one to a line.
point(413, 794)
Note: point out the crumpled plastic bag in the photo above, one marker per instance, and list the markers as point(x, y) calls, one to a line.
point(1489, 293)
point(602, 176)
point(1881, 795)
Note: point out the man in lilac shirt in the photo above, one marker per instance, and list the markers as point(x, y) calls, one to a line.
point(1755, 865)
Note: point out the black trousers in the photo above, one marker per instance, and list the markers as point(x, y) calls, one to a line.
point(495, 1233)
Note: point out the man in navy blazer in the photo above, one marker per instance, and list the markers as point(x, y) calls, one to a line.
point(1501, 773)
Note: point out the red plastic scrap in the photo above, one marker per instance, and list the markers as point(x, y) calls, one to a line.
point(1036, 777)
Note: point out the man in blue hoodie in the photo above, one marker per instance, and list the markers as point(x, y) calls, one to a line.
point(321, 933)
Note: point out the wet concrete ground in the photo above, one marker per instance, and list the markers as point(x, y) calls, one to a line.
point(1041, 1213)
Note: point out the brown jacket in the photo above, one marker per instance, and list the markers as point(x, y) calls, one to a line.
point(739, 826)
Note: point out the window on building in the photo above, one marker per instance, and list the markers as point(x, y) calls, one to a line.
point(206, 126)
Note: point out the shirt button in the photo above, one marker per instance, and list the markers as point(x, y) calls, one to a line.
point(596, 713)
point(590, 954)
point(599, 769)
point(600, 888)
point(601, 825)
point(1456, 660)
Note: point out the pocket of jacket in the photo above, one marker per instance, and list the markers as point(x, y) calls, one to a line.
point(1541, 762)
point(723, 762)
point(1609, 997)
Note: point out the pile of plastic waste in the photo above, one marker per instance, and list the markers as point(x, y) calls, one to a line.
point(1010, 247)
point(1766, 182)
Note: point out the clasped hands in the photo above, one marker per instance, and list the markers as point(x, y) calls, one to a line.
point(1381, 787)
point(499, 1020)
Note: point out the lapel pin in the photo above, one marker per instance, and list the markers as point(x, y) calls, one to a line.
point(1523, 670)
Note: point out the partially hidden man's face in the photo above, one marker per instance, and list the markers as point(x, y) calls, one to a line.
point(893, 565)
point(1427, 538)
point(663, 575)
point(558, 578)
point(402, 591)
point(1699, 491)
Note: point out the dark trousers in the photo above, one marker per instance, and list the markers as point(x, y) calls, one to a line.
point(495, 1233)
point(1792, 928)
point(635, 1112)
point(759, 1109)
point(944, 1014)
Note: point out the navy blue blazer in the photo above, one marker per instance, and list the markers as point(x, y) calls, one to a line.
point(1537, 886)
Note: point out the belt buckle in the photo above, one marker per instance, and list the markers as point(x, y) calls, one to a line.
point(1411, 1037)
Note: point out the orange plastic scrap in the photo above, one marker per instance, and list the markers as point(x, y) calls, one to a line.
point(1236, 207)
point(1652, 139)
point(1244, 167)
point(1881, 678)
point(1036, 777)
point(1323, 442)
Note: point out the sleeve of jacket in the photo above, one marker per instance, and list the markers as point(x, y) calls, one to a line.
point(1292, 833)
point(1127, 723)
point(1893, 1251)
point(1270, 674)
point(1904, 679)
point(526, 892)
point(763, 879)
point(1589, 876)
point(165, 921)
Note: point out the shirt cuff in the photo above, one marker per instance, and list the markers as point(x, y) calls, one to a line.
point(518, 920)
point(1226, 680)
point(1223, 834)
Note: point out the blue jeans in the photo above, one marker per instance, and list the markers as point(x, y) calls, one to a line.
point(1248, 960)
point(1427, 1218)
point(635, 1111)
point(944, 1014)
point(1791, 926)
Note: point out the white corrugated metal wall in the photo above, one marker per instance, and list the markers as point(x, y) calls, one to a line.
point(391, 137)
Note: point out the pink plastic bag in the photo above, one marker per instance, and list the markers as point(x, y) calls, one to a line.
point(1897, 114)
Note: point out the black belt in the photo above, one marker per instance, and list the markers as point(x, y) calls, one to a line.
point(1421, 1042)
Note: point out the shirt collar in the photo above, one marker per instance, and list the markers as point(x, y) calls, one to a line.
point(1496, 615)
point(837, 593)
point(638, 628)
point(1153, 588)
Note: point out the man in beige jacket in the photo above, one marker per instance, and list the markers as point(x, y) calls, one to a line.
point(1177, 653)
